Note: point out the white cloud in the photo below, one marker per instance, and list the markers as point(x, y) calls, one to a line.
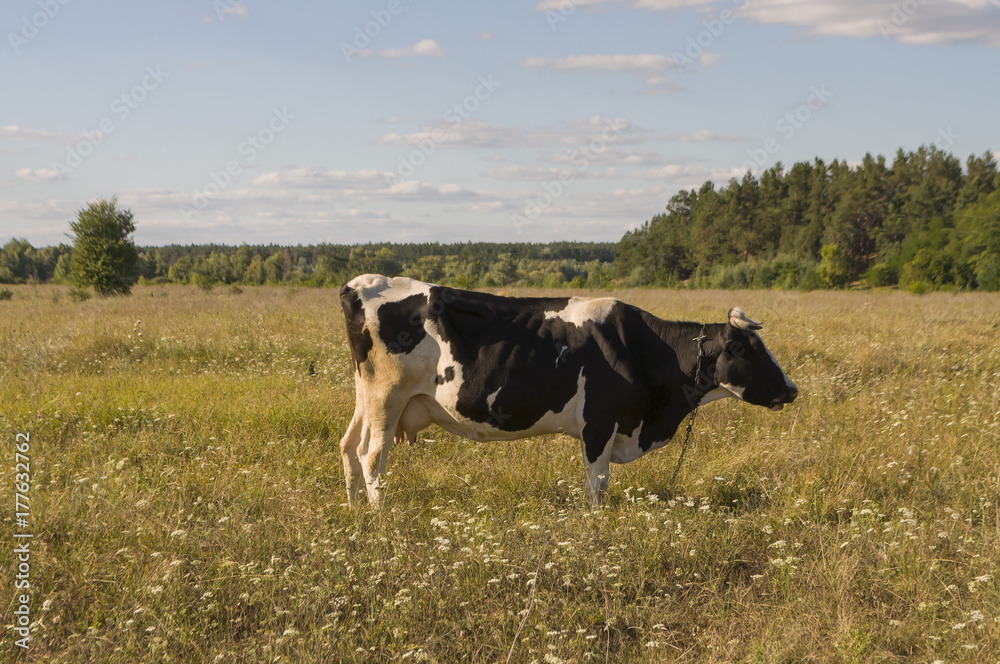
point(612, 157)
point(648, 66)
point(15, 133)
point(557, 5)
point(469, 134)
point(42, 222)
point(473, 134)
point(412, 190)
point(258, 215)
point(603, 216)
point(538, 174)
point(422, 47)
point(707, 59)
point(318, 178)
point(305, 211)
point(647, 62)
point(689, 176)
point(921, 22)
point(396, 119)
point(485, 36)
point(358, 186)
point(37, 176)
point(705, 136)
point(226, 9)
point(235, 10)
point(942, 22)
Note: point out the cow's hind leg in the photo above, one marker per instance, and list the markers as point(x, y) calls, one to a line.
point(349, 444)
point(375, 447)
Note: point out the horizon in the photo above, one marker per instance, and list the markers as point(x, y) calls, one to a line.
point(400, 122)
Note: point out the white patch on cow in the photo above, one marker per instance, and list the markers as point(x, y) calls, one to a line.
point(563, 352)
point(736, 390)
point(424, 409)
point(446, 393)
point(580, 310)
point(373, 287)
point(716, 394)
point(626, 448)
point(492, 398)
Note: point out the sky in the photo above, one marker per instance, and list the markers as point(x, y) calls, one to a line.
point(299, 122)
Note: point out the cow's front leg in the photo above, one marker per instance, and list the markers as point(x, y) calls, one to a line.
point(596, 446)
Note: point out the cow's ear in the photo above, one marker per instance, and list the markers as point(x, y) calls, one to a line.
point(739, 320)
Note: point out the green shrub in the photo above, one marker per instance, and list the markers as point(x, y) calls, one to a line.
point(79, 294)
point(833, 270)
point(881, 274)
point(928, 270)
point(988, 272)
point(203, 281)
point(811, 281)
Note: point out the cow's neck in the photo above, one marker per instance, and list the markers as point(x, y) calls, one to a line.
point(680, 340)
point(669, 360)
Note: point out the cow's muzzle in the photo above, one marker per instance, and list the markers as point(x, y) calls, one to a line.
point(787, 397)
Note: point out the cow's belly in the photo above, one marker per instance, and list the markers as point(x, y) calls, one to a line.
point(423, 410)
point(626, 448)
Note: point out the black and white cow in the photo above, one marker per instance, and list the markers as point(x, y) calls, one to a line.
point(499, 368)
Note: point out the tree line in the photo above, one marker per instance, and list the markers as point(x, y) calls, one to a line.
point(465, 265)
point(923, 222)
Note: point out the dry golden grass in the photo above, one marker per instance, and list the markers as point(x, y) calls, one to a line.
point(188, 497)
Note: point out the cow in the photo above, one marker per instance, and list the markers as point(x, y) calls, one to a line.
point(488, 367)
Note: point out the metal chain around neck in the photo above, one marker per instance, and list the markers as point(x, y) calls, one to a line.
point(700, 340)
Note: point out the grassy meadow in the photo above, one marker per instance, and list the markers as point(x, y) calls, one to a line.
point(188, 501)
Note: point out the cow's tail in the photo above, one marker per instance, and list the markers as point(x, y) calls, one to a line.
point(359, 338)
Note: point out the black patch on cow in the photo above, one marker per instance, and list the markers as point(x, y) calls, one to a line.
point(508, 347)
point(506, 344)
point(358, 336)
point(401, 323)
point(448, 376)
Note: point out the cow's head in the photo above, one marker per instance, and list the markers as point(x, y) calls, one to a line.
point(748, 370)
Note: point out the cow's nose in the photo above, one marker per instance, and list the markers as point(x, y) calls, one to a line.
point(792, 392)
